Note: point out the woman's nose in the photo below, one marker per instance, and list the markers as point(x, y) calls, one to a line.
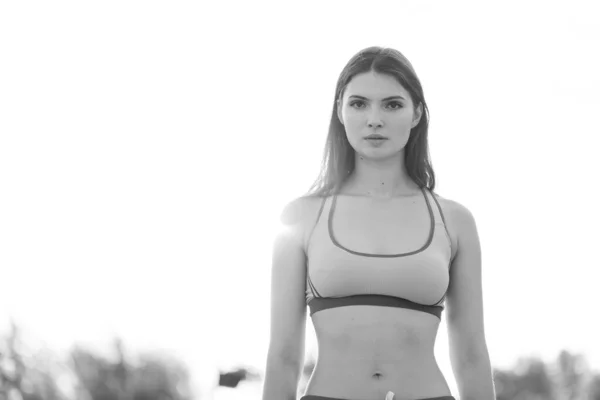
point(373, 122)
point(374, 119)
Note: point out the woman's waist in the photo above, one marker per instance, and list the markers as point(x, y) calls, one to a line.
point(390, 363)
point(374, 377)
point(362, 333)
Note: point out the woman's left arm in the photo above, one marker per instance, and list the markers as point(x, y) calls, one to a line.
point(466, 334)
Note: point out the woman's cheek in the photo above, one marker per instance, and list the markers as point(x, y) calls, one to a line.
point(352, 119)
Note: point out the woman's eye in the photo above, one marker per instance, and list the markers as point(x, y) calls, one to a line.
point(395, 105)
point(356, 102)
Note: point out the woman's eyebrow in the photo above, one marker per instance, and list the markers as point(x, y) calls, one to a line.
point(364, 98)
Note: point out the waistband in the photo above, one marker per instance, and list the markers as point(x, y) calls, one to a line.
point(315, 397)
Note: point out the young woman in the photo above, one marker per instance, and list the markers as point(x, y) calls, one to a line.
point(377, 256)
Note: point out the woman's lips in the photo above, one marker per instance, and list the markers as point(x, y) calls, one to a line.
point(375, 141)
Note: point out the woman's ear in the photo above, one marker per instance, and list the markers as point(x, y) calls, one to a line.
point(339, 111)
point(417, 115)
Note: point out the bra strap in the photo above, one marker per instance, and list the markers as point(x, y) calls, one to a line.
point(315, 224)
point(440, 216)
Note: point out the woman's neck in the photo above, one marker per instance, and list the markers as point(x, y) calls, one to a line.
point(381, 180)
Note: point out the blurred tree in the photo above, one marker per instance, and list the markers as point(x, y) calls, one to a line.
point(87, 376)
point(26, 376)
point(161, 377)
point(535, 381)
point(568, 378)
point(156, 377)
point(573, 374)
point(95, 375)
point(505, 383)
point(528, 380)
point(122, 372)
point(593, 388)
point(12, 367)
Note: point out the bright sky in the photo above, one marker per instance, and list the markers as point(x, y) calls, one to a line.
point(147, 148)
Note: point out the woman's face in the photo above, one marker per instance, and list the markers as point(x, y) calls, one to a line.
point(375, 103)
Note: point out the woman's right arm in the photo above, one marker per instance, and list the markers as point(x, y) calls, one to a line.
point(285, 358)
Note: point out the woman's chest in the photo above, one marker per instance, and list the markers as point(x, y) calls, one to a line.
point(383, 229)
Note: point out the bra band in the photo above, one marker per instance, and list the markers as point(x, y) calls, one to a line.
point(323, 303)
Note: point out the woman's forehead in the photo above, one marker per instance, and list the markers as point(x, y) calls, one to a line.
point(375, 86)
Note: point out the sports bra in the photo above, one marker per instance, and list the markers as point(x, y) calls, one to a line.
point(337, 276)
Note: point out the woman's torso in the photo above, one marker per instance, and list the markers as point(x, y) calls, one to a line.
point(384, 249)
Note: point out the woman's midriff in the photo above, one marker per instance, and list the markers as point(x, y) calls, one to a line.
point(366, 351)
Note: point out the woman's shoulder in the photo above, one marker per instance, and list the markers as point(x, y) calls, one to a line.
point(300, 209)
point(451, 208)
point(300, 214)
point(457, 218)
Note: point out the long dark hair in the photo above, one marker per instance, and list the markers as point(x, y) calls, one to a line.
point(338, 157)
